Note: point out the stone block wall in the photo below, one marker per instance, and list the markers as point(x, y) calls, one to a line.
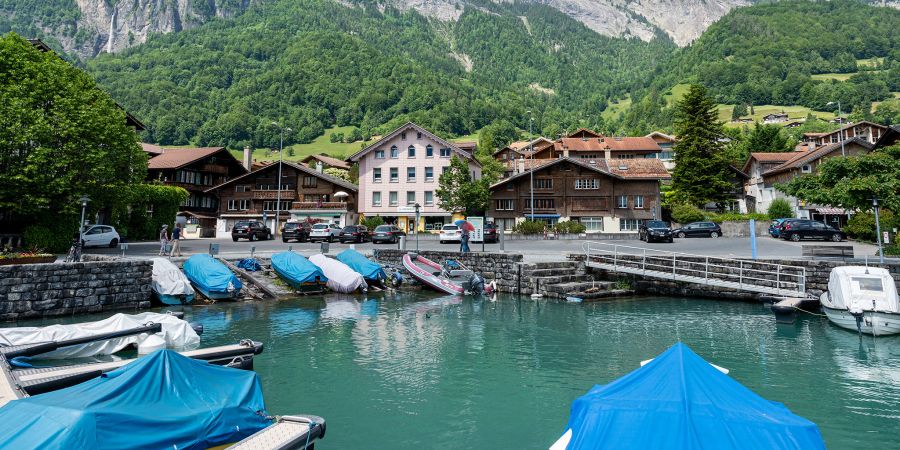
point(99, 284)
point(502, 267)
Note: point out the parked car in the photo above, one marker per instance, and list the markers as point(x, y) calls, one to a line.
point(387, 233)
point(100, 236)
point(450, 233)
point(491, 235)
point(251, 230)
point(699, 229)
point(354, 233)
point(784, 223)
point(811, 229)
point(325, 232)
point(296, 230)
point(655, 230)
point(775, 227)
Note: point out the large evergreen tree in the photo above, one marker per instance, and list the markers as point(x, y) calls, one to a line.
point(702, 169)
point(457, 191)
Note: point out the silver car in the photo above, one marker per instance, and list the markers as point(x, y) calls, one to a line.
point(325, 232)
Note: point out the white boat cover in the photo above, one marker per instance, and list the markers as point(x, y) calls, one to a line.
point(859, 288)
point(168, 279)
point(177, 333)
point(341, 278)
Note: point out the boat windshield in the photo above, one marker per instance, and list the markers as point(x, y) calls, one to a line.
point(868, 284)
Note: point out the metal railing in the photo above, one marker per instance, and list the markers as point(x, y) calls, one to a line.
point(745, 275)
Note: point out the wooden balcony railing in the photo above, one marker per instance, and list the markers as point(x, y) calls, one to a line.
point(273, 195)
point(342, 206)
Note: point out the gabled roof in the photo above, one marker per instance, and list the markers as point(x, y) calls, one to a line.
point(584, 132)
point(847, 127)
point(175, 158)
point(506, 148)
point(523, 146)
point(468, 146)
point(615, 144)
point(623, 169)
point(152, 149)
point(803, 158)
point(302, 168)
point(327, 160)
point(660, 134)
point(775, 157)
point(356, 156)
point(890, 137)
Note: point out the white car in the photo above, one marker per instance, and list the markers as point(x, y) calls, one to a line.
point(324, 232)
point(450, 233)
point(100, 236)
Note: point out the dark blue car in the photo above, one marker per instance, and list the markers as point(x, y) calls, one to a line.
point(775, 228)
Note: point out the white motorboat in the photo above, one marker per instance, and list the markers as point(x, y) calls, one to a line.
point(863, 299)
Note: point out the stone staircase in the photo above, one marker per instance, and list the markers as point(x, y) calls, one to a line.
point(561, 280)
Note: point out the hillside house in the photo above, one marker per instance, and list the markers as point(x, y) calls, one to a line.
point(313, 162)
point(775, 118)
point(866, 131)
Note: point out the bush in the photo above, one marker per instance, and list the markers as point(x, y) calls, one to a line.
point(733, 216)
point(54, 238)
point(862, 225)
point(530, 227)
point(372, 222)
point(569, 226)
point(779, 209)
point(686, 213)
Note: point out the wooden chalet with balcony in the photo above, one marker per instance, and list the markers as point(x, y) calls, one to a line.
point(865, 131)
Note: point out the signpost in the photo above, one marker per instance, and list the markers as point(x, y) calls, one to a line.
point(478, 234)
point(753, 238)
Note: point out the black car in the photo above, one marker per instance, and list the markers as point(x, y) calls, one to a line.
point(251, 230)
point(699, 229)
point(655, 230)
point(387, 233)
point(354, 233)
point(295, 230)
point(796, 230)
point(491, 235)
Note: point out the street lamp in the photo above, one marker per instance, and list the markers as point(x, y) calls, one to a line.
point(878, 230)
point(841, 123)
point(278, 192)
point(531, 169)
point(416, 226)
point(84, 201)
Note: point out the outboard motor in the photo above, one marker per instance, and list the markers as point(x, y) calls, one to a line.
point(476, 284)
point(395, 279)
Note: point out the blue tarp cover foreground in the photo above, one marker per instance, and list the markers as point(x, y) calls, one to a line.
point(296, 269)
point(679, 401)
point(209, 274)
point(369, 269)
point(163, 400)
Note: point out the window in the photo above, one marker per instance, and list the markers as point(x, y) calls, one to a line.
point(394, 152)
point(445, 169)
point(272, 205)
point(410, 198)
point(429, 174)
point(429, 198)
point(376, 199)
point(622, 201)
point(392, 198)
point(429, 151)
point(587, 183)
point(592, 224)
point(310, 181)
point(541, 203)
point(395, 175)
point(629, 224)
point(867, 284)
point(379, 154)
point(543, 183)
point(806, 168)
point(238, 205)
point(418, 135)
point(241, 188)
point(445, 153)
point(505, 205)
point(411, 174)
point(411, 152)
point(639, 201)
point(376, 175)
point(402, 136)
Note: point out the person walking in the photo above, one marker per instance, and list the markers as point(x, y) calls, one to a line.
point(464, 242)
point(163, 239)
point(176, 240)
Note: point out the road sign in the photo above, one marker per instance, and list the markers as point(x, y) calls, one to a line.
point(478, 223)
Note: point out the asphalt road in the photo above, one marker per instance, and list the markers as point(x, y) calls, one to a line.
point(534, 250)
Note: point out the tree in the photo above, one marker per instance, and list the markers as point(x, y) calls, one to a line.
point(702, 169)
point(739, 110)
point(764, 138)
point(457, 192)
point(497, 135)
point(343, 174)
point(779, 209)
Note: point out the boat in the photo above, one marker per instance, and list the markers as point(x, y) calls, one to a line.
point(863, 299)
point(680, 401)
point(163, 400)
point(455, 279)
point(212, 278)
point(299, 272)
point(169, 283)
point(287, 433)
point(341, 278)
point(370, 270)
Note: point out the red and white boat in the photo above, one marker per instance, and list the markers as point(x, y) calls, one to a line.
point(435, 276)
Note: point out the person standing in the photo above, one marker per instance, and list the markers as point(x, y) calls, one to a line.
point(464, 241)
point(176, 240)
point(163, 239)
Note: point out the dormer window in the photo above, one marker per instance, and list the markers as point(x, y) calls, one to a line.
point(806, 168)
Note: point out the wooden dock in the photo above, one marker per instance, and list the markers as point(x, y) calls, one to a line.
point(288, 432)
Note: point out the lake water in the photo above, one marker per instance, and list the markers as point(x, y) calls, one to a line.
point(417, 370)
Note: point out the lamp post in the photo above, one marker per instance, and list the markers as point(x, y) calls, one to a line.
point(531, 152)
point(278, 192)
point(416, 227)
point(84, 201)
point(841, 124)
point(878, 230)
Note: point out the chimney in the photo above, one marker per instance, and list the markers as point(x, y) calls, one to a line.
point(319, 166)
point(812, 146)
point(607, 154)
point(520, 167)
point(565, 152)
point(247, 154)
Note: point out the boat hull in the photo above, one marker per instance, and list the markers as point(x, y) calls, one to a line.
point(174, 300)
point(875, 323)
point(218, 295)
point(418, 269)
point(301, 286)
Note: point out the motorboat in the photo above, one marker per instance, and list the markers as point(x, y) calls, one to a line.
point(169, 284)
point(299, 272)
point(451, 278)
point(212, 278)
point(341, 278)
point(863, 299)
point(370, 270)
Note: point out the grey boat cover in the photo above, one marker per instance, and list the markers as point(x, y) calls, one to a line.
point(168, 279)
point(341, 278)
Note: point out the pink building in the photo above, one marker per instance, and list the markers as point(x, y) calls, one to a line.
point(402, 169)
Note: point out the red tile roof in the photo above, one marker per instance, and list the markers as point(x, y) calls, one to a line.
point(801, 158)
point(327, 160)
point(615, 144)
point(152, 149)
point(638, 168)
point(173, 158)
point(584, 132)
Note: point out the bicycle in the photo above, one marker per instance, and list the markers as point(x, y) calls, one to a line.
point(74, 254)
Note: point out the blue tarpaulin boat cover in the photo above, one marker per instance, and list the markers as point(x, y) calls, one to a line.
point(163, 400)
point(680, 401)
point(297, 269)
point(369, 269)
point(209, 274)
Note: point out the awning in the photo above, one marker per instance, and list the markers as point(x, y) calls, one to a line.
point(831, 211)
point(543, 216)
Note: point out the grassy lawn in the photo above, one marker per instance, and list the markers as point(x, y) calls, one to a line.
point(319, 145)
point(676, 93)
point(832, 76)
point(869, 62)
point(793, 112)
point(616, 109)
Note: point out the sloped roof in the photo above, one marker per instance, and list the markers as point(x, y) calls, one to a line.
point(584, 132)
point(325, 159)
point(524, 145)
point(775, 157)
point(615, 144)
point(623, 169)
point(152, 149)
point(356, 156)
point(528, 163)
point(889, 137)
point(660, 134)
point(468, 146)
point(302, 168)
point(802, 158)
point(174, 158)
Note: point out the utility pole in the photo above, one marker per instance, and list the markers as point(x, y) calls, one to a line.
point(531, 152)
point(878, 230)
point(278, 183)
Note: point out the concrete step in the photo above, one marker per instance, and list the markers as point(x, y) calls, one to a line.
point(587, 297)
point(528, 269)
point(578, 286)
point(552, 272)
point(545, 281)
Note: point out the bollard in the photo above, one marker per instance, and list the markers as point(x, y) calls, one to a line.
point(290, 248)
point(324, 247)
point(500, 234)
point(401, 244)
point(124, 247)
point(252, 250)
point(352, 246)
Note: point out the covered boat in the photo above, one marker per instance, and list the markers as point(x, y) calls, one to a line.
point(298, 272)
point(434, 276)
point(370, 270)
point(863, 299)
point(169, 283)
point(680, 401)
point(177, 333)
point(212, 278)
point(164, 400)
point(341, 278)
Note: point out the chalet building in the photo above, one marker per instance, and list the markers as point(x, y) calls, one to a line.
point(516, 157)
point(758, 195)
point(313, 162)
point(607, 196)
point(775, 118)
point(306, 194)
point(890, 136)
point(196, 170)
point(401, 170)
point(866, 131)
point(667, 144)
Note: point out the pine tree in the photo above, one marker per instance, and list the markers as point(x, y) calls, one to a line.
point(702, 169)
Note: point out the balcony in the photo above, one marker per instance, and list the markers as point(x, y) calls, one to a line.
point(273, 195)
point(307, 206)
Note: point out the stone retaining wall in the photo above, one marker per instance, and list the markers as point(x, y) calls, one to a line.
point(502, 267)
point(97, 284)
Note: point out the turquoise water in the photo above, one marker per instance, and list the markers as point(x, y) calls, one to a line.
point(419, 371)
